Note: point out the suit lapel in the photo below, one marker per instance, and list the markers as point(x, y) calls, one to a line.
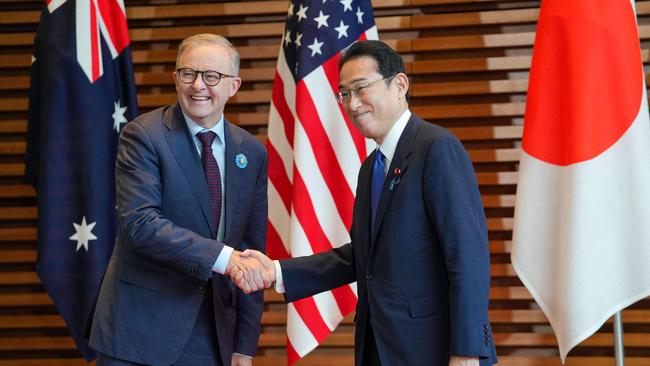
point(399, 164)
point(182, 146)
point(233, 172)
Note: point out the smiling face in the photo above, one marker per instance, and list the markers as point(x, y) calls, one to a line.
point(376, 109)
point(202, 103)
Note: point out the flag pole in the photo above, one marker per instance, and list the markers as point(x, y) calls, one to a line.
point(619, 350)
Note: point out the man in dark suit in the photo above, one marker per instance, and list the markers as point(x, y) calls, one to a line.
point(419, 248)
point(191, 194)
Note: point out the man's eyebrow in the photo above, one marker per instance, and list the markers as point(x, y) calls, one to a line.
point(354, 81)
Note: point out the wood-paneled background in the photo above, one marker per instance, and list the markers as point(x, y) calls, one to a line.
point(468, 60)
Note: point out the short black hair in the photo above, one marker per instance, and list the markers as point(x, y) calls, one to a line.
point(389, 62)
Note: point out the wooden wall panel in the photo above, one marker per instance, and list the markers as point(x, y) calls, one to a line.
point(468, 61)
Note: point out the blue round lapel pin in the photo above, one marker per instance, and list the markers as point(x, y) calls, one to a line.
point(241, 161)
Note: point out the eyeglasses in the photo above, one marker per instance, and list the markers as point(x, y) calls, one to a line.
point(344, 95)
point(210, 77)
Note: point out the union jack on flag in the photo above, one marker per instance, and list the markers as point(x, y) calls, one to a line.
point(314, 155)
point(82, 91)
point(94, 18)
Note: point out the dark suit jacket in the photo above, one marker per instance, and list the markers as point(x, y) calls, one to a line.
point(423, 274)
point(156, 280)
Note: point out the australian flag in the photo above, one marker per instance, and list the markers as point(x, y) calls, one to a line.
point(82, 92)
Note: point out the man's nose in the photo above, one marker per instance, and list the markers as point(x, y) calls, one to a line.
point(354, 102)
point(198, 83)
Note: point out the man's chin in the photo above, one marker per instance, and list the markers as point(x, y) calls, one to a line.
point(365, 132)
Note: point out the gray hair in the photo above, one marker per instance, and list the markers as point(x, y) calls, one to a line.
point(210, 39)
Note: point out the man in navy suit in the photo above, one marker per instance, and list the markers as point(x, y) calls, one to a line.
point(191, 195)
point(419, 248)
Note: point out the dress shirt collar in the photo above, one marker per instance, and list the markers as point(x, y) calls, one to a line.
point(389, 145)
point(195, 128)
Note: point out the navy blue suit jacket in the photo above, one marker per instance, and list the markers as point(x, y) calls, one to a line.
point(423, 274)
point(156, 279)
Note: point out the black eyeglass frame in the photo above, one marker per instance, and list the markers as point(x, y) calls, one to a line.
point(220, 75)
point(342, 98)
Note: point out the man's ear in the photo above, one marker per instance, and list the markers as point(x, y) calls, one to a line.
point(402, 82)
point(234, 85)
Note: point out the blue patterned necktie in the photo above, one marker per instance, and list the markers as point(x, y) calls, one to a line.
point(211, 169)
point(376, 184)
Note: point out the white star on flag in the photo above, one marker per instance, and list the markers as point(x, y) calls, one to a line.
point(118, 116)
point(347, 5)
point(83, 233)
point(359, 15)
point(302, 12)
point(315, 47)
point(287, 38)
point(321, 19)
point(342, 30)
point(290, 11)
point(298, 38)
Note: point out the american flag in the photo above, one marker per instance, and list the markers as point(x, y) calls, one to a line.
point(82, 91)
point(314, 155)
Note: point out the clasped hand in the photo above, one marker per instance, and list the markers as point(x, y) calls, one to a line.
point(251, 270)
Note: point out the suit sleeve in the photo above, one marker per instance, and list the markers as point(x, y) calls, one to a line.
point(307, 276)
point(139, 200)
point(250, 307)
point(454, 202)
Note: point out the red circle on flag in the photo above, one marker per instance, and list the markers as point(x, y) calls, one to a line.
point(586, 80)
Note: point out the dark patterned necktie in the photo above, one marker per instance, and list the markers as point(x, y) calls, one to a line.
point(377, 183)
point(211, 169)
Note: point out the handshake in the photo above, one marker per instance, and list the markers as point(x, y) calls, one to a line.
point(251, 270)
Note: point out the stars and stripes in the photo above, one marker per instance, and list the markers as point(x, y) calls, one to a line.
point(79, 98)
point(314, 155)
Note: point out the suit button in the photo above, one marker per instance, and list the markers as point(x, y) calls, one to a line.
point(201, 287)
point(369, 276)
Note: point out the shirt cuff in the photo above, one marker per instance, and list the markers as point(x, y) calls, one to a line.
point(279, 283)
point(239, 354)
point(222, 260)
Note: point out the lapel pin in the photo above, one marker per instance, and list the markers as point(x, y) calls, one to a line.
point(241, 161)
point(397, 176)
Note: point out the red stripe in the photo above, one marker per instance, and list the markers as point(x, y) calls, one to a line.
point(278, 176)
point(292, 355)
point(310, 314)
point(47, 2)
point(331, 68)
point(345, 298)
point(274, 247)
point(304, 210)
point(280, 103)
point(324, 153)
point(115, 22)
point(94, 42)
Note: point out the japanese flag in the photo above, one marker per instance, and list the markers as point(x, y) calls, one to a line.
point(581, 240)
